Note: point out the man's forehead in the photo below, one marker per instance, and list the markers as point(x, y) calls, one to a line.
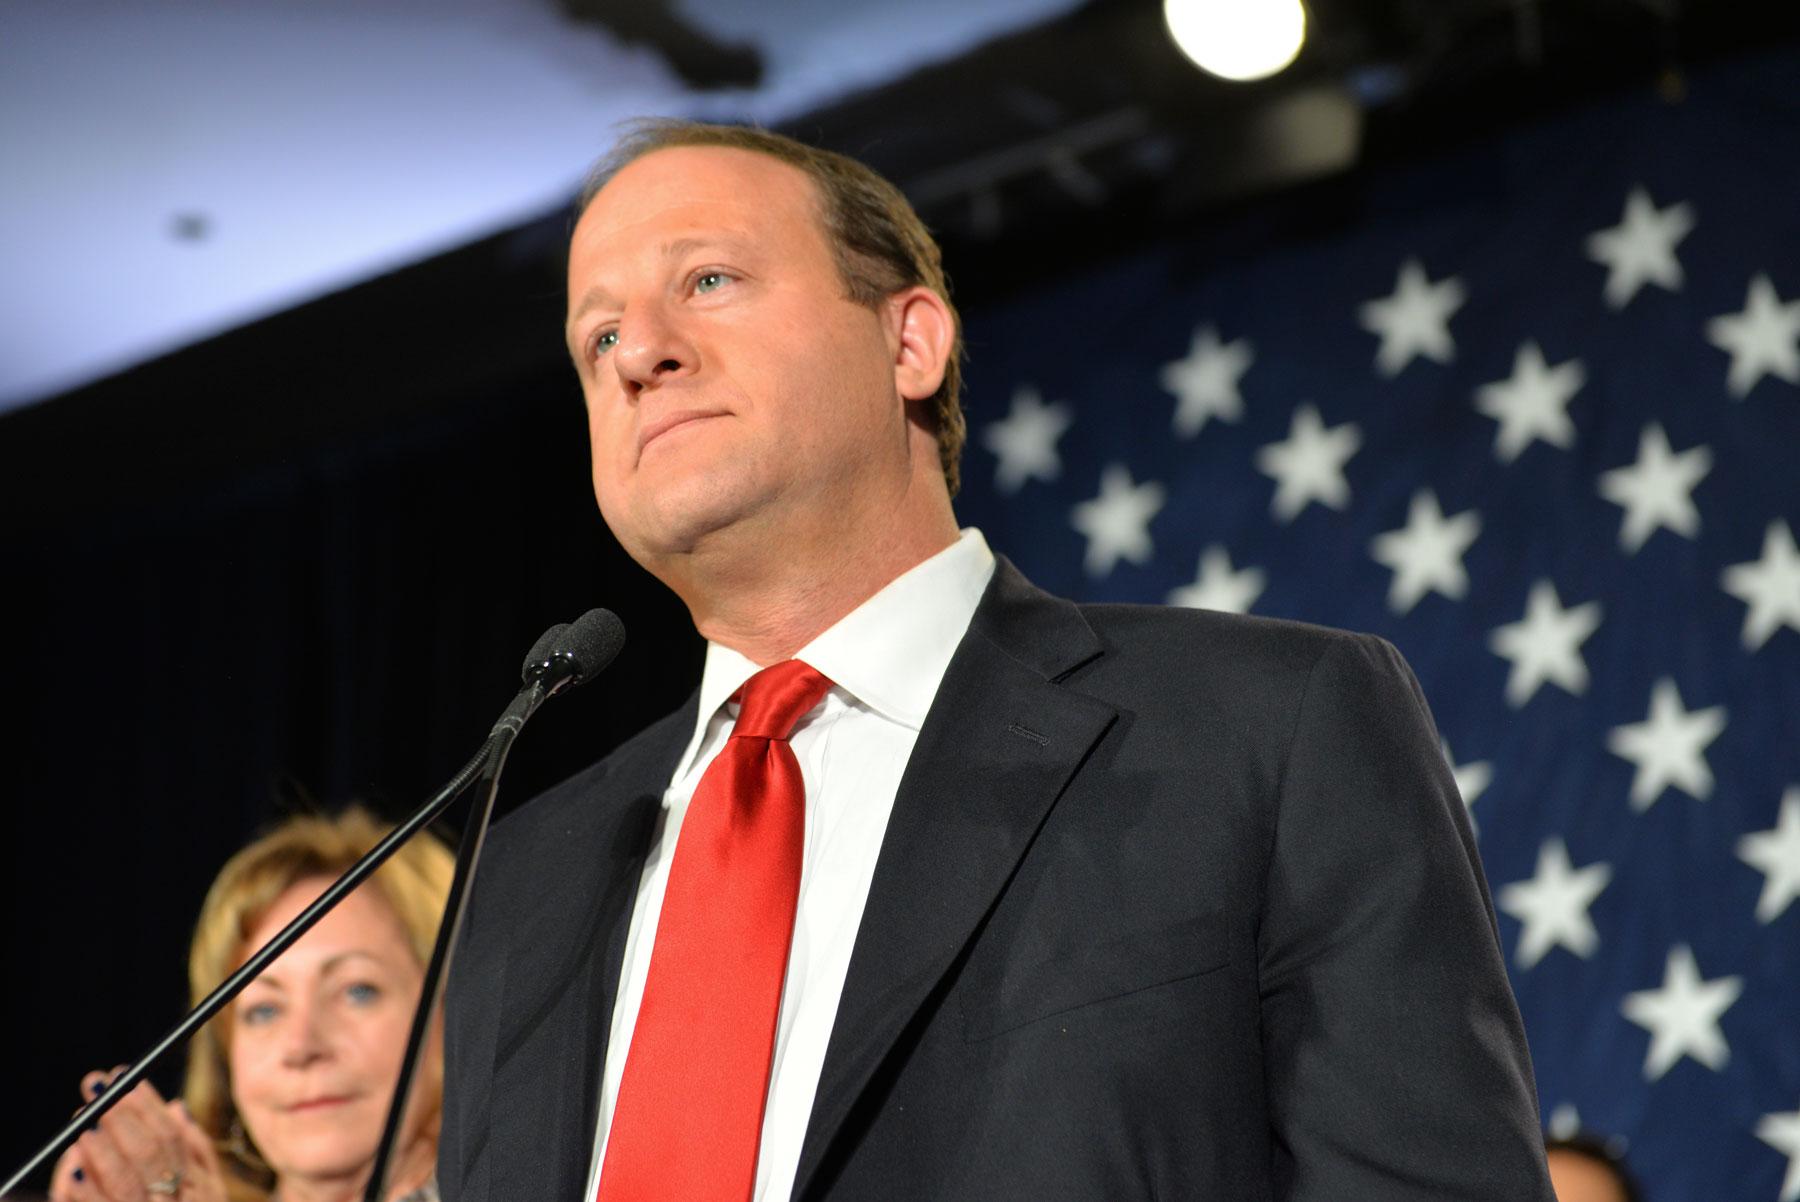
point(694, 178)
point(673, 199)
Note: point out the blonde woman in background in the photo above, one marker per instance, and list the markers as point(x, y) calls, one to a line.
point(287, 1089)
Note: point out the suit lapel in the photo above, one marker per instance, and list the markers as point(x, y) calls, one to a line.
point(999, 745)
point(563, 965)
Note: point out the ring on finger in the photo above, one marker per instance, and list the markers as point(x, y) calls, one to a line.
point(168, 1185)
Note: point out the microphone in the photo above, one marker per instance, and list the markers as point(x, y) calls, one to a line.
point(572, 653)
point(538, 660)
point(566, 655)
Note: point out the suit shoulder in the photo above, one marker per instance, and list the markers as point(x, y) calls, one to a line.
point(1162, 631)
point(1200, 659)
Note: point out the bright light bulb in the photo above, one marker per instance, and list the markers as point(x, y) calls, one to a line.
point(1237, 39)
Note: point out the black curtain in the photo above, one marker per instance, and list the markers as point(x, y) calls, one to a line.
point(297, 565)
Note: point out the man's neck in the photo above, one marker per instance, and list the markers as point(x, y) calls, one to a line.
point(769, 606)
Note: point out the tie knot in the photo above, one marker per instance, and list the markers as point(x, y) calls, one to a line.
point(776, 698)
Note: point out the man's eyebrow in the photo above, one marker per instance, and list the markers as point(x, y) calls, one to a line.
point(593, 298)
point(598, 296)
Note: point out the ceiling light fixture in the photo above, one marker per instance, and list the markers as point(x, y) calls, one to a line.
point(1237, 39)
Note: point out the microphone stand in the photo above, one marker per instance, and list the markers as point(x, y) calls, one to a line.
point(456, 904)
point(548, 670)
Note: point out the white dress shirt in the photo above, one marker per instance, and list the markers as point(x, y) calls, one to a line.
point(885, 660)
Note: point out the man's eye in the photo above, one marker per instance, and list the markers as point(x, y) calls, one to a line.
point(710, 281)
point(605, 342)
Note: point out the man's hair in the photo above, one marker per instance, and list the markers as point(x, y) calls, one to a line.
point(879, 243)
point(1606, 1153)
point(412, 883)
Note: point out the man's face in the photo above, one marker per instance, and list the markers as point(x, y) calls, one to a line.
point(729, 381)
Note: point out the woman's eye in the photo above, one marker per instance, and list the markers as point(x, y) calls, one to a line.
point(605, 342)
point(363, 993)
point(710, 281)
point(256, 1015)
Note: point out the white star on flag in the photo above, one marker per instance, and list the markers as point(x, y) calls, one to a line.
point(1641, 248)
point(1770, 586)
point(1414, 319)
point(1308, 465)
point(1025, 440)
point(1216, 586)
point(1553, 905)
point(1657, 490)
point(1782, 1132)
point(1205, 383)
point(1427, 552)
point(1545, 645)
point(1117, 522)
point(1564, 1121)
point(1776, 854)
point(1532, 403)
point(1762, 339)
point(1668, 747)
point(1683, 1015)
point(1472, 779)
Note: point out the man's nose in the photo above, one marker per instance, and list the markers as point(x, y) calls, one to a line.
point(651, 350)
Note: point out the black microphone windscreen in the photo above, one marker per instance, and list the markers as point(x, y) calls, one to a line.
point(543, 649)
point(592, 640)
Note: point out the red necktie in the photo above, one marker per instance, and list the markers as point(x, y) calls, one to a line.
point(689, 1114)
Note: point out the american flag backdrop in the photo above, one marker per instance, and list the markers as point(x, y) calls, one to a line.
point(1531, 412)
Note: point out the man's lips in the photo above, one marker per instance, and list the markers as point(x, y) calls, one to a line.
point(651, 431)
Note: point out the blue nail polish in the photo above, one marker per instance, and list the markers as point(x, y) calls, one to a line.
point(80, 1176)
point(96, 1087)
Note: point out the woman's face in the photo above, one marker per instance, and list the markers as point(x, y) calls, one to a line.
point(317, 1039)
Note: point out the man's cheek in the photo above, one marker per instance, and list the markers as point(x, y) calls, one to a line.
point(619, 435)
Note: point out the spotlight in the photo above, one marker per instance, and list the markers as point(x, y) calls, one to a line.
point(1237, 39)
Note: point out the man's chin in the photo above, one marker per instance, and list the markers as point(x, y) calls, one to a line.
point(671, 533)
point(681, 520)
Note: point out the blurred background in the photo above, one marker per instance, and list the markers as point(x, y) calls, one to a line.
point(1472, 323)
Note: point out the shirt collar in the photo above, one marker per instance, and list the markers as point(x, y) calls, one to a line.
point(889, 653)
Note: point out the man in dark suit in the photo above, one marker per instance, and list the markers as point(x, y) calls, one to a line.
point(1092, 902)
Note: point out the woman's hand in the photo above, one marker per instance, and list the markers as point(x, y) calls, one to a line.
point(144, 1150)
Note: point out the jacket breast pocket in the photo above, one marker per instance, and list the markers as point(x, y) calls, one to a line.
point(1017, 995)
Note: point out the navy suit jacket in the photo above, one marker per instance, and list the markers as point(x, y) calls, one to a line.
point(1172, 904)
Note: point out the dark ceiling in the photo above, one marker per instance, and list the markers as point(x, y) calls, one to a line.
point(1026, 138)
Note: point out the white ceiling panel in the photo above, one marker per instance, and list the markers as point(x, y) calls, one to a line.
point(173, 168)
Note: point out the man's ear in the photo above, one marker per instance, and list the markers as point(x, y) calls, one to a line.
point(922, 333)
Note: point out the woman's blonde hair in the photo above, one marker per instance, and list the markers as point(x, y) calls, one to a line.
point(413, 883)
